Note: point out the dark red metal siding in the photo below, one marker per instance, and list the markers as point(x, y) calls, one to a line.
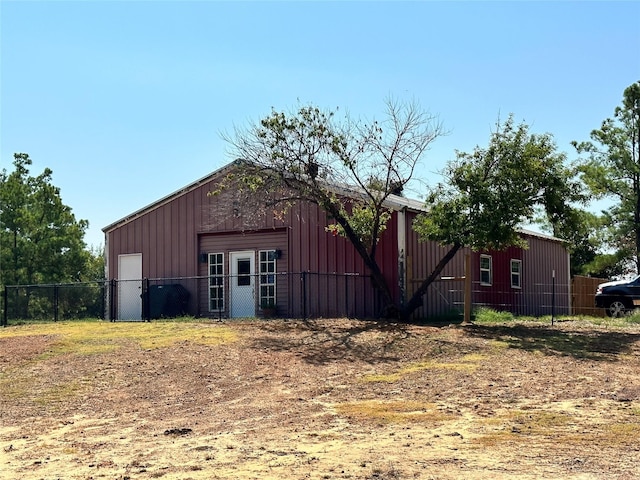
point(534, 298)
point(500, 294)
point(155, 250)
point(166, 235)
point(387, 255)
point(539, 263)
point(235, 242)
point(315, 249)
point(421, 259)
point(539, 294)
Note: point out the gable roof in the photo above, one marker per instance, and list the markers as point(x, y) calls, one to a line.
point(394, 202)
point(168, 198)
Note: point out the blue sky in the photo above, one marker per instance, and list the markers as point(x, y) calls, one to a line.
point(125, 101)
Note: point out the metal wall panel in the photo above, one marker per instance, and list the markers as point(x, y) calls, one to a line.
point(251, 241)
point(443, 296)
point(171, 234)
point(313, 249)
point(540, 261)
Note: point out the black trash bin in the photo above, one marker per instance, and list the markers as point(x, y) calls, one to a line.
point(168, 301)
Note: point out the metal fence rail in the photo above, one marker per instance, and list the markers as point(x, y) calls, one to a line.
point(300, 295)
point(286, 295)
point(54, 301)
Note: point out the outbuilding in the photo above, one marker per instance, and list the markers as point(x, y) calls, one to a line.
point(230, 260)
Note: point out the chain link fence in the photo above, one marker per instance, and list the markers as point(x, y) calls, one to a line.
point(54, 302)
point(445, 297)
point(285, 295)
point(288, 295)
point(539, 299)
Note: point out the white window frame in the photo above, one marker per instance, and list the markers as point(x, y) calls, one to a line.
point(267, 260)
point(487, 270)
point(216, 281)
point(516, 274)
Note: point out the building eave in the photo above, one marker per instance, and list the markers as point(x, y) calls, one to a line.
point(394, 202)
point(168, 198)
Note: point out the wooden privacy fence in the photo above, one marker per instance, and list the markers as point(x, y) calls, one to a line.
point(583, 293)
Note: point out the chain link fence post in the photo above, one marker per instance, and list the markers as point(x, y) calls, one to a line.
point(146, 306)
point(304, 296)
point(56, 301)
point(5, 296)
point(112, 300)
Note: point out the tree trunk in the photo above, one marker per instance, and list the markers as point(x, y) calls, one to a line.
point(416, 300)
point(390, 310)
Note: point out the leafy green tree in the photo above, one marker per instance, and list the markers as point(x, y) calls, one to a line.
point(309, 155)
point(489, 193)
point(95, 268)
point(40, 239)
point(611, 170)
point(587, 236)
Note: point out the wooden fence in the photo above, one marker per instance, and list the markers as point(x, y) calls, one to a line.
point(583, 293)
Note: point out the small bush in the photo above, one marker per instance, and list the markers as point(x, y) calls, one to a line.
point(633, 317)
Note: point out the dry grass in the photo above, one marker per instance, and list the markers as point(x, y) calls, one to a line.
point(91, 338)
point(326, 399)
point(468, 363)
point(393, 411)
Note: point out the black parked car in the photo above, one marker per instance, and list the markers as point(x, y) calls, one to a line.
point(619, 297)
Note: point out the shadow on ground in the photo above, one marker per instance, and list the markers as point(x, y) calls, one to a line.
point(323, 342)
point(366, 341)
point(578, 343)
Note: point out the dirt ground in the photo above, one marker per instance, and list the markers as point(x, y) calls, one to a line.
point(330, 399)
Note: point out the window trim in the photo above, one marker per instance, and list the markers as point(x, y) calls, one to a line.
point(489, 270)
point(219, 287)
point(271, 258)
point(516, 261)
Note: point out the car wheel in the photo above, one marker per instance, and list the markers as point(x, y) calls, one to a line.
point(616, 309)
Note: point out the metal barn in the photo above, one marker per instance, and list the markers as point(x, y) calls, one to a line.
point(232, 260)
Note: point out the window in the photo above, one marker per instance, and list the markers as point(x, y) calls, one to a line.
point(244, 272)
point(486, 274)
point(216, 281)
point(516, 271)
point(267, 278)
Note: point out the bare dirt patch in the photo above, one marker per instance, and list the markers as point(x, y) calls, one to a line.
point(320, 400)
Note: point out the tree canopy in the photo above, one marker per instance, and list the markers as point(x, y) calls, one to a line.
point(611, 170)
point(40, 239)
point(306, 154)
point(486, 195)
